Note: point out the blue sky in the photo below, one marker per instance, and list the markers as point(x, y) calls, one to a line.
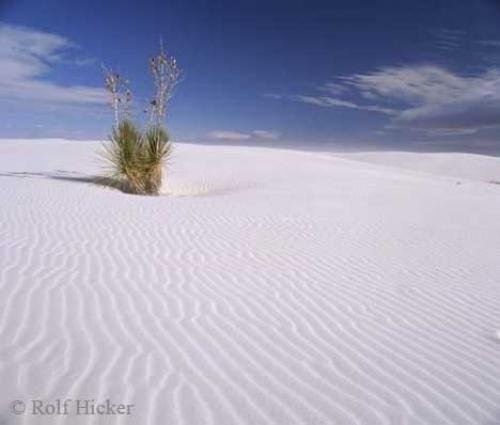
point(354, 73)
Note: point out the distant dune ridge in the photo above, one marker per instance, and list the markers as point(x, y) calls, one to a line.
point(264, 286)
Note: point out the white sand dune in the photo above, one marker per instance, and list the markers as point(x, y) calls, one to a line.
point(458, 165)
point(264, 287)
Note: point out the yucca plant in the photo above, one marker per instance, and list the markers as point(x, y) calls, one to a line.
point(123, 154)
point(155, 150)
point(136, 158)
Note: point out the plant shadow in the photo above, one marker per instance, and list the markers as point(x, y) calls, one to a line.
point(72, 176)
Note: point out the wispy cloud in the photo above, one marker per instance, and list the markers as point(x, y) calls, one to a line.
point(411, 85)
point(448, 39)
point(329, 95)
point(324, 101)
point(490, 43)
point(435, 98)
point(274, 96)
point(234, 136)
point(266, 134)
point(27, 58)
point(333, 89)
point(228, 135)
point(332, 102)
point(425, 97)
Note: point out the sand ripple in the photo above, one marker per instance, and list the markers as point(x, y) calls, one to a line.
point(299, 289)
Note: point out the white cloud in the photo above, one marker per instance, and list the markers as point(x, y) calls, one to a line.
point(490, 43)
point(425, 97)
point(27, 57)
point(409, 84)
point(331, 102)
point(431, 97)
point(274, 96)
point(334, 89)
point(448, 39)
point(266, 134)
point(232, 136)
point(325, 101)
point(228, 135)
point(466, 113)
point(451, 132)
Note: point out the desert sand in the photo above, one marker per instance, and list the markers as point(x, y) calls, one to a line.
point(263, 286)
